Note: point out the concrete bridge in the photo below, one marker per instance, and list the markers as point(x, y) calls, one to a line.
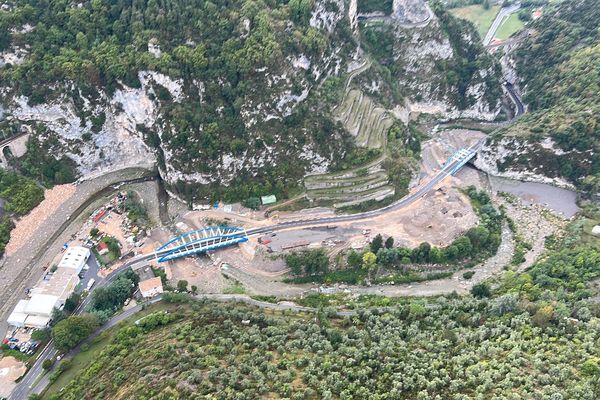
point(13, 147)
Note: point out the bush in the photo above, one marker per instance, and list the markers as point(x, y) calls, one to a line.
point(308, 262)
point(170, 297)
point(468, 274)
point(252, 202)
point(481, 290)
point(47, 364)
point(41, 334)
point(112, 297)
point(182, 286)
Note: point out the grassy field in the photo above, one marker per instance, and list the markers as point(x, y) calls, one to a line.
point(510, 25)
point(477, 15)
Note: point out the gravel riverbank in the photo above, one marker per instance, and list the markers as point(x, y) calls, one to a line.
point(23, 267)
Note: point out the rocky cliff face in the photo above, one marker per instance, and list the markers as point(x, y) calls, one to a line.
point(213, 129)
point(515, 158)
point(431, 63)
point(411, 11)
point(554, 63)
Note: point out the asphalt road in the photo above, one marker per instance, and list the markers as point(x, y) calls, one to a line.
point(35, 380)
point(403, 202)
point(24, 390)
point(515, 98)
point(504, 12)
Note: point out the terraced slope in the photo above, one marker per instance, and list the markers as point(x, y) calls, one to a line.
point(364, 119)
point(353, 186)
point(369, 123)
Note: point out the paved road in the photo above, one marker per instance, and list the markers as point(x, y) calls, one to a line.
point(22, 269)
point(35, 380)
point(405, 201)
point(49, 352)
point(504, 13)
point(203, 245)
point(397, 17)
point(515, 98)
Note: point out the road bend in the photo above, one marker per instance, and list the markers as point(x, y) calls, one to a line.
point(37, 379)
point(504, 13)
point(403, 202)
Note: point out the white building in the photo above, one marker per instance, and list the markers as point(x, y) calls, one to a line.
point(18, 316)
point(35, 312)
point(75, 258)
point(52, 291)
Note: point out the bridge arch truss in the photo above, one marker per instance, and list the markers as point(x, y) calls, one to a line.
point(200, 241)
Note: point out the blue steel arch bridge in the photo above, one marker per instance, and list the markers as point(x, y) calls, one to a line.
point(200, 241)
point(215, 237)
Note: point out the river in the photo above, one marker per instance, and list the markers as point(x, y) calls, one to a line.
point(563, 201)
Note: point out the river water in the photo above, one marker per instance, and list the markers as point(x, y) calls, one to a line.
point(560, 200)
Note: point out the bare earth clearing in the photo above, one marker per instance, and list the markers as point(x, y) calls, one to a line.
point(10, 370)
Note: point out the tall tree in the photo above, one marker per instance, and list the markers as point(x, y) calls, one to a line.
point(69, 332)
point(369, 262)
point(376, 243)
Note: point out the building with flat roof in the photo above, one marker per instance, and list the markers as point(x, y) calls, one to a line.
point(35, 312)
point(270, 199)
point(151, 287)
point(75, 258)
point(61, 284)
point(41, 304)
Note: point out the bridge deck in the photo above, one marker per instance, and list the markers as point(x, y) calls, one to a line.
point(200, 241)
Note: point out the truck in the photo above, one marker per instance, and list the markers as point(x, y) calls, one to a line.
point(90, 284)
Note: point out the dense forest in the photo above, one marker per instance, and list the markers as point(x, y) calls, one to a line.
point(558, 62)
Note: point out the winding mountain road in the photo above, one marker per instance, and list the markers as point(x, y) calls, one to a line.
point(403, 202)
point(516, 98)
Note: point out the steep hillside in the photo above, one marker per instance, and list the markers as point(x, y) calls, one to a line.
point(557, 63)
point(228, 98)
point(437, 66)
point(206, 91)
point(511, 346)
